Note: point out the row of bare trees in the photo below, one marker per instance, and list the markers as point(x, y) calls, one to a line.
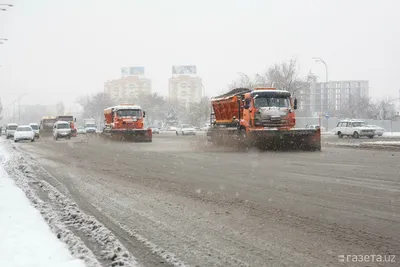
point(158, 109)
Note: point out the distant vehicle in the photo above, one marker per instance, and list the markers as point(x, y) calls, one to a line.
point(10, 129)
point(81, 130)
point(206, 127)
point(378, 130)
point(62, 129)
point(90, 125)
point(70, 119)
point(315, 126)
point(24, 132)
point(354, 128)
point(47, 124)
point(155, 130)
point(35, 128)
point(185, 129)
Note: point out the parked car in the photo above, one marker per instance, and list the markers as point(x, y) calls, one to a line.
point(206, 127)
point(10, 129)
point(35, 128)
point(354, 128)
point(378, 130)
point(62, 129)
point(81, 130)
point(315, 126)
point(185, 129)
point(24, 132)
point(154, 130)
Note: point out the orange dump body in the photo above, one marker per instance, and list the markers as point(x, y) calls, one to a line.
point(259, 115)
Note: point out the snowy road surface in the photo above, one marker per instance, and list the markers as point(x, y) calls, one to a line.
point(180, 201)
point(25, 238)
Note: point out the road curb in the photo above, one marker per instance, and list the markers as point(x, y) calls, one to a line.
point(366, 146)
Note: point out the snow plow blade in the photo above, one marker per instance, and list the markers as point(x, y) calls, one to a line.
point(294, 139)
point(136, 135)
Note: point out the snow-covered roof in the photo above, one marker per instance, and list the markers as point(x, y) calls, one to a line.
point(62, 122)
point(12, 124)
point(270, 91)
point(125, 107)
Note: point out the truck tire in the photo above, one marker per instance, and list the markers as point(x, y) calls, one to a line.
point(340, 135)
point(356, 135)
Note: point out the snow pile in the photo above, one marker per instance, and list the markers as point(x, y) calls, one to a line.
point(391, 143)
point(391, 134)
point(67, 221)
point(26, 239)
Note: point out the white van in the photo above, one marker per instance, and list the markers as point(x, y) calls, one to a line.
point(35, 128)
point(10, 129)
point(62, 129)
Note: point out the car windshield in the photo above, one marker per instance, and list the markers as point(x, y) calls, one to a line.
point(263, 101)
point(63, 126)
point(186, 126)
point(24, 129)
point(358, 124)
point(12, 127)
point(90, 125)
point(129, 113)
point(34, 127)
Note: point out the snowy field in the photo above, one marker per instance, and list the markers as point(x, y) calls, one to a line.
point(26, 239)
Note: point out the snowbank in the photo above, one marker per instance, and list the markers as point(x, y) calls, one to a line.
point(86, 238)
point(25, 238)
point(391, 135)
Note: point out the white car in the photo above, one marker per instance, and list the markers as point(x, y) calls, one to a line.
point(315, 126)
point(35, 128)
point(378, 130)
point(24, 132)
point(81, 130)
point(10, 129)
point(62, 129)
point(354, 128)
point(155, 130)
point(185, 129)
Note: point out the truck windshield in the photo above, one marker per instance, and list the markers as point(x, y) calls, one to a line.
point(128, 113)
point(34, 127)
point(12, 127)
point(90, 125)
point(263, 101)
point(63, 126)
point(65, 118)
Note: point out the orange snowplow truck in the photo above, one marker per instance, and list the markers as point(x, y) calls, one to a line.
point(261, 116)
point(125, 122)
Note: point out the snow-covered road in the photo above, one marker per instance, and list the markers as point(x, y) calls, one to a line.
point(25, 238)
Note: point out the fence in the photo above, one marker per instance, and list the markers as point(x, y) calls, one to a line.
point(330, 123)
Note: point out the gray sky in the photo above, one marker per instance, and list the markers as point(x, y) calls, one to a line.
point(58, 50)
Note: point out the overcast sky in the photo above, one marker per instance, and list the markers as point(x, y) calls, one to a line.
point(58, 50)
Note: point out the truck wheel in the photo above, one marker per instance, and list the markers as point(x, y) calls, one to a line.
point(356, 135)
point(371, 136)
point(340, 135)
point(33, 139)
point(177, 133)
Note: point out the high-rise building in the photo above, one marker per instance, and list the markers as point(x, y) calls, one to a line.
point(185, 86)
point(127, 88)
point(333, 95)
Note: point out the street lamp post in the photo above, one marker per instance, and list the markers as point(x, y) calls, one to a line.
point(320, 60)
point(5, 9)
